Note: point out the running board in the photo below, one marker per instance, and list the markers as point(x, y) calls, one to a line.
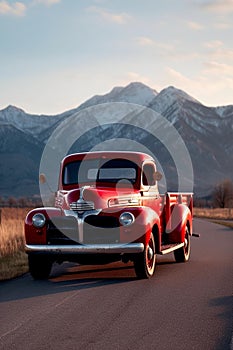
point(168, 248)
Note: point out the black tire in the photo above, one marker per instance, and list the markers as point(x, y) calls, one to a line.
point(183, 254)
point(145, 263)
point(39, 267)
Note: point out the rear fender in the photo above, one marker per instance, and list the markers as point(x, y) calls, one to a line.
point(180, 217)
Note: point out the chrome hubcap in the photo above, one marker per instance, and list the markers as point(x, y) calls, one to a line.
point(150, 253)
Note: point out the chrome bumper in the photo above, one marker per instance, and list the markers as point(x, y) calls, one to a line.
point(129, 248)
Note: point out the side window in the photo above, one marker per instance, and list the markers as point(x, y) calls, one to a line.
point(148, 176)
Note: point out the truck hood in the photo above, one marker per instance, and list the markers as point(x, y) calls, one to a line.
point(99, 198)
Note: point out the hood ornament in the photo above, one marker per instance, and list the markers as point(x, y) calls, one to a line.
point(82, 189)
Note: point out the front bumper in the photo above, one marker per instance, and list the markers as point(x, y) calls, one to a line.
point(129, 248)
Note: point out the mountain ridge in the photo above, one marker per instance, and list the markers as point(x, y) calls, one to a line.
point(206, 131)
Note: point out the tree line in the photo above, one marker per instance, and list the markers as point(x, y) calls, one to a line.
point(22, 202)
point(221, 197)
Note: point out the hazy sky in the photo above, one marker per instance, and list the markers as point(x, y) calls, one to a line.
point(55, 54)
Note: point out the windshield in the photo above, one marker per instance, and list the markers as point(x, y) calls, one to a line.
point(99, 170)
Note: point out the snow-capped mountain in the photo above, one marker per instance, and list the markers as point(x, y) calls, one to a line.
point(137, 93)
point(206, 131)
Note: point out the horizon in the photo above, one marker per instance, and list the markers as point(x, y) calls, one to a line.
point(57, 54)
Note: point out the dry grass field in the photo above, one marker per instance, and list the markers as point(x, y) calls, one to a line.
point(222, 216)
point(13, 260)
point(218, 213)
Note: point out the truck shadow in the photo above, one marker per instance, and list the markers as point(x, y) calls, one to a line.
point(114, 271)
point(64, 278)
point(69, 277)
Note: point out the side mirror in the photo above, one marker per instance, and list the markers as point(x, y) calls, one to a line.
point(158, 176)
point(42, 178)
point(150, 176)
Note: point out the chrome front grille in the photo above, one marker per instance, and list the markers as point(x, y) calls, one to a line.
point(82, 205)
point(62, 231)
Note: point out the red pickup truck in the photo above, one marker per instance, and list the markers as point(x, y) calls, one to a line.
point(108, 208)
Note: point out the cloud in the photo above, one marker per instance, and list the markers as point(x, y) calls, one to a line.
point(173, 51)
point(218, 68)
point(219, 6)
point(214, 44)
point(179, 77)
point(163, 48)
point(195, 25)
point(145, 41)
point(19, 9)
point(218, 51)
point(223, 25)
point(214, 80)
point(15, 9)
point(47, 2)
point(119, 18)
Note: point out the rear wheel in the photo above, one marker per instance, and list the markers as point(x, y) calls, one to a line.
point(145, 262)
point(39, 266)
point(183, 254)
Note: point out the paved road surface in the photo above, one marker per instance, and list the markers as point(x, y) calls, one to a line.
point(185, 306)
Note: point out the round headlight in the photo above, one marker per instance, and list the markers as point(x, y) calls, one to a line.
point(126, 219)
point(38, 220)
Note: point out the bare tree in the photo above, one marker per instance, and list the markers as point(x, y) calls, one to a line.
point(223, 194)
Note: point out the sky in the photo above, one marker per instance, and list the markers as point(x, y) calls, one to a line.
point(56, 54)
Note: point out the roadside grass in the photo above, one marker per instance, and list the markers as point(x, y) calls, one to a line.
point(13, 259)
point(221, 216)
point(224, 223)
point(217, 213)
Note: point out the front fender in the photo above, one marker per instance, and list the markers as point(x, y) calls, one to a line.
point(145, 220)
point(145, 223)
point(176, 227)
point(34, 235)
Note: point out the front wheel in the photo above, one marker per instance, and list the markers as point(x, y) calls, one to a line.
point(39, 266)
point(145, 262)
point(183, 254)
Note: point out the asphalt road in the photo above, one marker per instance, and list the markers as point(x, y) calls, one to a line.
point(184, 306)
